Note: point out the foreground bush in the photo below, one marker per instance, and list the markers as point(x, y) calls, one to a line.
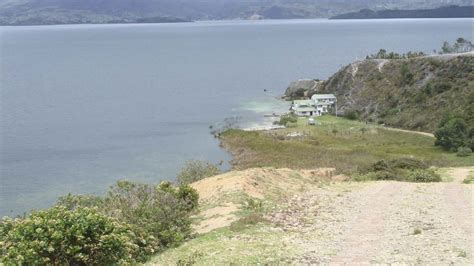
point(196, 170)
point(161, 211)
point(59, 236)
point(158, 215)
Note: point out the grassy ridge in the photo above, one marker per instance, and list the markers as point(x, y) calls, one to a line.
point(336, 142)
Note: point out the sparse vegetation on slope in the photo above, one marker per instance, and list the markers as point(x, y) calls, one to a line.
point(411, 90)
point(407, 93)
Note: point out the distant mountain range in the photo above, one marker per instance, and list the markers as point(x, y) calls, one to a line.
point(40, 12)
point(441, 12)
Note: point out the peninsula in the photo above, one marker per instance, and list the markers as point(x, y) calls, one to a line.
point(452, 11)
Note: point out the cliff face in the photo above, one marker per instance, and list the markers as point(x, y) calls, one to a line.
point(303, 88)
point(408, 93)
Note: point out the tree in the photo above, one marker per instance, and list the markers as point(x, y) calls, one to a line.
point(382, 53)
point(452, 133)
point(446, 48)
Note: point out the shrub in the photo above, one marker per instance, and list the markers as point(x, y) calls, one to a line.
point(247, 221)
point(406, 77)
point(254, 205)
point(407, 163)
point(287, 119)
point(464, 151)
point(194, 171)
point(452, 133)
point(59, 236)
point(423, 176)
point(162, 212)
point(71, 201)
point(158, 215)
point(401, 169)
point(351, 114)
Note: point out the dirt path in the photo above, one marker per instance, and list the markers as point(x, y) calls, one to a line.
point(410, 131)
point(383, 222)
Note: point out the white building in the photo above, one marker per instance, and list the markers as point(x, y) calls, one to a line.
point(323, 102)
point(303, 108)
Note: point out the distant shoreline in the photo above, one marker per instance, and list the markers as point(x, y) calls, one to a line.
point(441, 12)
point(223, 20)
point(138, 21)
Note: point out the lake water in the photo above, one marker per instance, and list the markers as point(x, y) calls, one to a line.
point(85, 105)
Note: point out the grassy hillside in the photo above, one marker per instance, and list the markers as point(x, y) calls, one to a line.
point(408, 93)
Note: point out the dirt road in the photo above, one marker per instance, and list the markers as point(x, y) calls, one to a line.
point(410, 131)
point(383, 222)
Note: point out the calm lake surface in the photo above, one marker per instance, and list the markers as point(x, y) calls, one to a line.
point(85, 105)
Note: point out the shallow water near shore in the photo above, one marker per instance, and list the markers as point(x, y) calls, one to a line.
point(85, 105)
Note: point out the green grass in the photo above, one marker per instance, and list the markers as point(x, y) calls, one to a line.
point(334, 142)
point(254, 245)
point(444, 173)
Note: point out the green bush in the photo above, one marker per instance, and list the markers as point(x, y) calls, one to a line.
point(401, 169)
point(59, 236)
point(423, 175)
point(407, 163)
point(158, 215)
point(162, 212)
point(287, 119)
point(453, 132)
point(194, 171)
point(464, 151)
point(351, 114)
point(71, 201)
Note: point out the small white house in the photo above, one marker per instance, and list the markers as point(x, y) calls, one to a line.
point(323, 102)
point(303, 108)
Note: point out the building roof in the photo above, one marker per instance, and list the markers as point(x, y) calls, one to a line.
point(303, 102)
point(323, 96)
